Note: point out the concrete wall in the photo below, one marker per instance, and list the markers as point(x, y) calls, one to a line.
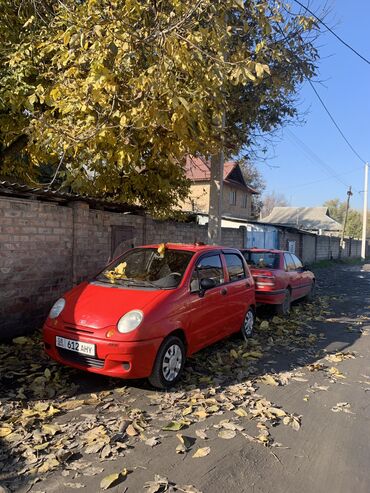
point(45, 248)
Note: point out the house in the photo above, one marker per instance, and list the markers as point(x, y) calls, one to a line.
point(313, 219)
point(237, 195)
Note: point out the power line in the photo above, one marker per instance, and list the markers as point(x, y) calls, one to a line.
point(333, 32)
point(315, 158)
point(309, 183)
point(335, 123)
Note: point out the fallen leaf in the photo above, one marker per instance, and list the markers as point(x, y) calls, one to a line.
point(159, 484)
point(201, 434)
point(201, 452)
point(269, 380)
point(131, 431)
point(227, 434)
point(175, 426)
point(153, 441)
point(113, 479)
point(241, 412)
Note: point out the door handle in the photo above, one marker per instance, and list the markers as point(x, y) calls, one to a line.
point(248, 284)
point(223, 291)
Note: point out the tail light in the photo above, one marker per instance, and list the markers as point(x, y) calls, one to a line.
point(264, 279)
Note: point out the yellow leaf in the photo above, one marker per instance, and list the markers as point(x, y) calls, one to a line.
point(201, 452)
point(5, 431)
point(21, 340)
point(233, 354)
point(269, 380)
point(50, 429)
point(108, 481)
point(241, 412)
point(174, 426)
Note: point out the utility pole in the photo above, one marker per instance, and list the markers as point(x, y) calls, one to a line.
point(349, 194)
point(215, 198)
point(217, 179)
point(364, 215)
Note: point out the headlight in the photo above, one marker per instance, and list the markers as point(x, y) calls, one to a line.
point(57, 308)
point(130, 321)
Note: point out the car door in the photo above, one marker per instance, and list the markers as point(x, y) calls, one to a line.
point(305, 278)
point(240, 291)
point(207, 311)
point(294, 277)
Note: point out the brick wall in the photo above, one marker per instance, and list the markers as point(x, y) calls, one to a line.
point(46, 248)
point(35, 260)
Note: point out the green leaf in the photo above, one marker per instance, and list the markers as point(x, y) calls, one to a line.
point(175, 426)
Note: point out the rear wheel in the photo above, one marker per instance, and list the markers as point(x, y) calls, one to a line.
point(169, 363)
point(248, 324)
point(284, 308)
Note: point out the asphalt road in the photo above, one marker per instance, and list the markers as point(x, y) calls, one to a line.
point(329, 453)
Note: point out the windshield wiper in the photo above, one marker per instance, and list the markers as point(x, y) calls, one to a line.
point(142, 283)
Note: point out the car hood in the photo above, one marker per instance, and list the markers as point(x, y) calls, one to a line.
point(98, 305)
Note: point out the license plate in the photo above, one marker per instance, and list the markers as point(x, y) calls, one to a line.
point(76, 346)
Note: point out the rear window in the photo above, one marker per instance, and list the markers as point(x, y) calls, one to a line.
point(262, 260)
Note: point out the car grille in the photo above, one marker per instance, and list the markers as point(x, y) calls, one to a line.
point(80, 359)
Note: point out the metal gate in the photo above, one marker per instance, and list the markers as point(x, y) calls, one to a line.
point(261, 238)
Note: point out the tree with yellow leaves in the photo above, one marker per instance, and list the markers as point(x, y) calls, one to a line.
point(113, 94)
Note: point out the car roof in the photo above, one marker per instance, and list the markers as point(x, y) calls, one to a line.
point(190, 247)
point(262, 250)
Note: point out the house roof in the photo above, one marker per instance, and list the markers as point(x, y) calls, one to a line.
point(308, 218)
point(199, 169)
point(24, 191)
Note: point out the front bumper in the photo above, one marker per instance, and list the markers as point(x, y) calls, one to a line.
point(270, 297)
point(113, 358)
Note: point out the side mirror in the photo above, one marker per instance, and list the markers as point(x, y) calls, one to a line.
point(206, 284)
point(304, 268)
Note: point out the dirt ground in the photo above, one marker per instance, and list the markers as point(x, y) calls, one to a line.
point(287, 412)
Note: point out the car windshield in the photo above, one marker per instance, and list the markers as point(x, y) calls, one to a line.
point(148, 267)
point(262, 260)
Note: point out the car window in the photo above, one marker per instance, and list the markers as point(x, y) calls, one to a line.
point(209, 267)
point(235, 267)
point(290, 265)
point(298, 263)
point(148, 267)
point(262, 260)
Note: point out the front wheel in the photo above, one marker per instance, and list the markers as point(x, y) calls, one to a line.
point(248, 324)
point(284, 308)
point(169, 363)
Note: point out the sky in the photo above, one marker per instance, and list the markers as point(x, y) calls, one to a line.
point(307, 157)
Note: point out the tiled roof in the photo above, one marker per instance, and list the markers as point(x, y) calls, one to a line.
point(199, 169)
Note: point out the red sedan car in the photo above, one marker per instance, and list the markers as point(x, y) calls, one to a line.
point(149, 309)
point(280, 278)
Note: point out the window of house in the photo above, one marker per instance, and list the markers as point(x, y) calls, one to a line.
point(232, 197)
point(244, 201)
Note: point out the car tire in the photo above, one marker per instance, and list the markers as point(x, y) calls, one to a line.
point(248, 324)
point(169, 363)
point(311, 295)
point(284, 308)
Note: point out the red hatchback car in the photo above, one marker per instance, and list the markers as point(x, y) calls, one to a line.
point(280, 278)
point(149, 309)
